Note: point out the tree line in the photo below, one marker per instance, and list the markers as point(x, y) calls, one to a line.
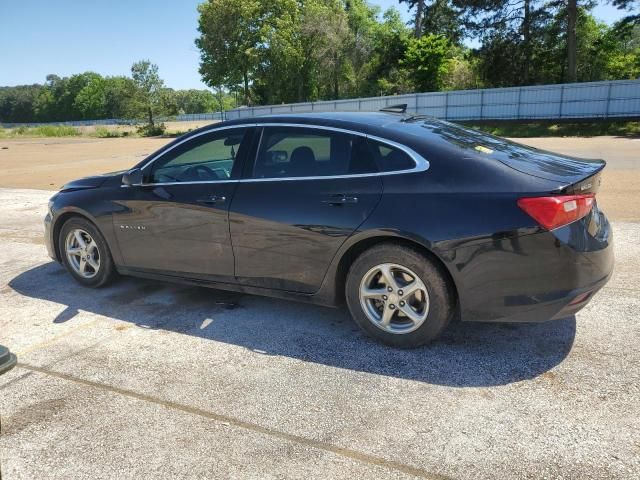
point(90, 96)
point(282, 51)
point(275, 51)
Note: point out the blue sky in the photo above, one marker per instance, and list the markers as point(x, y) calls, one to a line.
point(70, 36)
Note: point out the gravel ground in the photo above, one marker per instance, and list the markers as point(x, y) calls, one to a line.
point(150, 380)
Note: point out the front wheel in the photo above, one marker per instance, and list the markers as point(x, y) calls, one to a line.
point(399, 296)
point(85, 253)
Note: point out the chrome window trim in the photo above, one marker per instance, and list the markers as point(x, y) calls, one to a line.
point(421, 163)
point(160, 184)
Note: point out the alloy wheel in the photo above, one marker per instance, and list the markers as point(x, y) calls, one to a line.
point(82, 253)
point(394, 298)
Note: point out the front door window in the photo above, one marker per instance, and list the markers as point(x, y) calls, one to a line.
point(204, 159)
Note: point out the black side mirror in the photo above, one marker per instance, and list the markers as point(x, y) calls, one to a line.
point(133, 177)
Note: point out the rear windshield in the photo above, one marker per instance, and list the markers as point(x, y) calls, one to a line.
point(520, 157)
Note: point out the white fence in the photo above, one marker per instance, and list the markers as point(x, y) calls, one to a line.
point(593, 100)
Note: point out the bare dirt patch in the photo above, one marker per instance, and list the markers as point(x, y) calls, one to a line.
point(48, 163)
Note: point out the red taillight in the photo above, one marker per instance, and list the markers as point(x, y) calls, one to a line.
point(554, 212)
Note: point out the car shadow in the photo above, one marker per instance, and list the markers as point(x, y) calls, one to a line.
point(467, 354)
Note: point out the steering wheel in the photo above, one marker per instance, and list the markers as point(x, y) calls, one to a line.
point(202, 172)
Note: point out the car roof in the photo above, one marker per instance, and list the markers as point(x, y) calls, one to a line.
point(358, 121)
point(372, 118)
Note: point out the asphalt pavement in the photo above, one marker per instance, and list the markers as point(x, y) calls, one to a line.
point(149, 380)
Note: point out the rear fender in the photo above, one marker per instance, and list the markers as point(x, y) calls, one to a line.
point(332, 290)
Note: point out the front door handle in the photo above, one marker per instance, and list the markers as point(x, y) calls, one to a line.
point(213, 199)
point(340, 199)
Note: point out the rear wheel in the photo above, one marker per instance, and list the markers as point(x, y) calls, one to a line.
point(399, 296)
point(85, 253)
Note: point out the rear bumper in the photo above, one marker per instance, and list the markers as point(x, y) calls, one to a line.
point(538, 277)
point(568, 304)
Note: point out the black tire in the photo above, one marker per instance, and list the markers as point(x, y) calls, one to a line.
point(106, 272)
point(441, 296)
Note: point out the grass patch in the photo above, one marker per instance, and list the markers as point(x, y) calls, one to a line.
point(53, 131)
point(104, 132)
point(99, 131)
point(152, 130)
point(40, 131)
point(551, 129)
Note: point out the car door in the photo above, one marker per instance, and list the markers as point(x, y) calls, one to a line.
point(177, 220)
point(307, 191)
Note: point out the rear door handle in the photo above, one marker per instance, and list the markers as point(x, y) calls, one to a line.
point(213, 199)
point(340, 199)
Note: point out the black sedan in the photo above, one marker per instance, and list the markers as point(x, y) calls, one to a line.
point(410, 220)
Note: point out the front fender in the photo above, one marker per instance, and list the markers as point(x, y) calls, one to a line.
point(96, 208)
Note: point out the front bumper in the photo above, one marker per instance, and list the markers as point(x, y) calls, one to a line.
point(48, 237)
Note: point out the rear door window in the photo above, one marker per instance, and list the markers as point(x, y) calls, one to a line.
point(294, 152)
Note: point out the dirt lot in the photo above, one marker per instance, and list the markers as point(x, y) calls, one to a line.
point(49, 163)
point(150, 380)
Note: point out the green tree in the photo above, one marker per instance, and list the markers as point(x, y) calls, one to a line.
point(149, 87)
point(462, 71)
point(326, 25)
point(419, 5)
point(90, 101)
point(229, 42)
point(427, 59)
point(596, 45)
point(612, 53)
point(17, 103)
point(390, 41)
point(120, 97)
point(284, 73)
point(513, 25)
point(442, 17)
point(45, 103)
point(195, 101)
point(364, 25)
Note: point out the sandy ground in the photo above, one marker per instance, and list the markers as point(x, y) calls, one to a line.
point(149, 380)
point(49, 163)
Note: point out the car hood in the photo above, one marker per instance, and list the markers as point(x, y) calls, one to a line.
point(94, 181)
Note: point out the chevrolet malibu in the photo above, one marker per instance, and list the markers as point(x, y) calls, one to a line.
point(410, 221)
